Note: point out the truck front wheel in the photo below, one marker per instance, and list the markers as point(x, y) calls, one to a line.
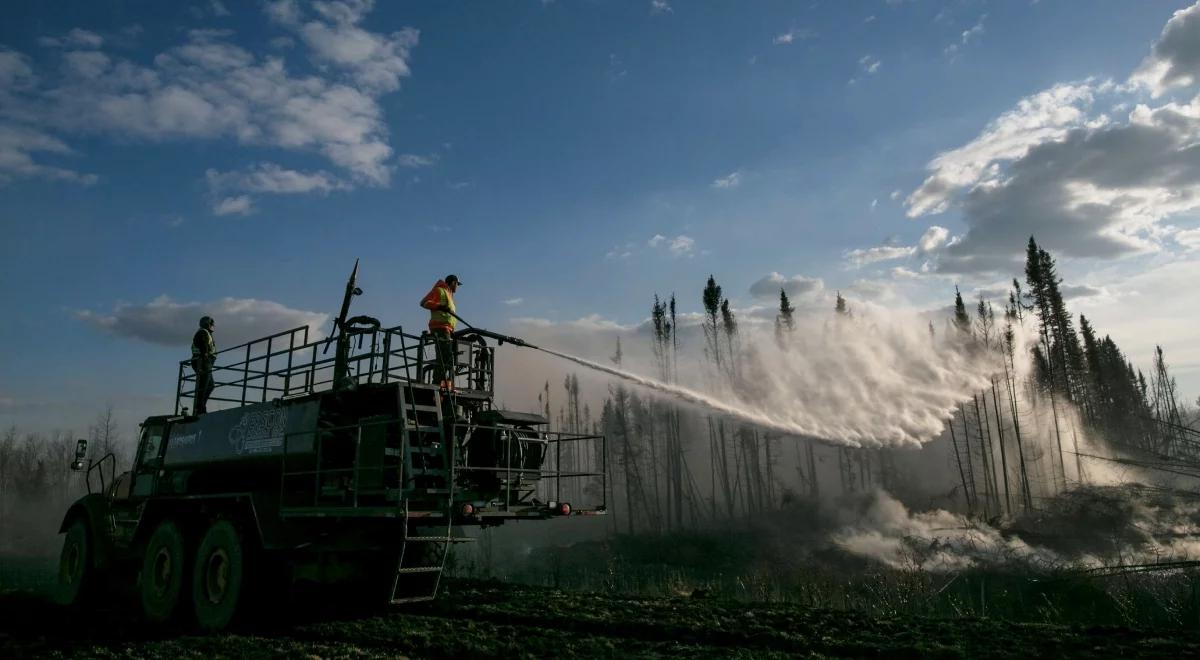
point(163, 568)
point(75, 571)
point(217, 576)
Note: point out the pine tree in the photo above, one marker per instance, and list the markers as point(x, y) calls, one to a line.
point(712, 332)
point(785, 323)
point(840, 306)
point(961, 320)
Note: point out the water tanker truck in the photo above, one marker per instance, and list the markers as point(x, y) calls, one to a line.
point(350, 469)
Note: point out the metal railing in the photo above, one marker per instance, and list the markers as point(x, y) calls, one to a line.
point(307, 486)
point(288, 364)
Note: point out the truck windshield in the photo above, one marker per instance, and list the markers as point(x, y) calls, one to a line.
point(149, 454)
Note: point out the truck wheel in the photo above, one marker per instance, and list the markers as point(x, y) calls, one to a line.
point(217, 576)
point(75, 572)
point(163, 568)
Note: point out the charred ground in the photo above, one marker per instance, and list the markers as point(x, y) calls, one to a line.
point(489, 619)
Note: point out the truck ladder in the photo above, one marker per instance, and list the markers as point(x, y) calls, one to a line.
point(430, 457)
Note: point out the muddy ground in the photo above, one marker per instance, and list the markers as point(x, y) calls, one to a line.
point(478, 619)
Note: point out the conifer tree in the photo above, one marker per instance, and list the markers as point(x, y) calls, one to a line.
point(785, 323)
point(961, 320)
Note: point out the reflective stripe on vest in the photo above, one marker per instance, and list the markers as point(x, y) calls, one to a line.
point(439, 320)
point(210, 345)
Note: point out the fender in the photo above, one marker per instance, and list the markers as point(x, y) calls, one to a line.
point(193, 510)
point(94, 508)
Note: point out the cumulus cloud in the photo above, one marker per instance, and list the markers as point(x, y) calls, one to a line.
point(266, 178)
point(933, 238)
point(18, 144)
point(334, 37)
point(76, 38)
point(870, 64)
point(660, 7)
point(239, 205)
point(768, 287)
point(414, 161)
point(1044, 117)
point(169, 323)
point(679, 246)
point(931, 241)
point(1084, 183)
point(208, 87)
point(864, 256)
point(732, 180)
point(1175, 57)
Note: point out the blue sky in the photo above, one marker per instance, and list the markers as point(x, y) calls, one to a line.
point(568, 160)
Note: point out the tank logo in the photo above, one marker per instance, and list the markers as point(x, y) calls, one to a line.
point(259, 432)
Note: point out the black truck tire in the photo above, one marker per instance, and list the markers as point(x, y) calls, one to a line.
point(218, 576)
point(163, 569)
point(76, 574)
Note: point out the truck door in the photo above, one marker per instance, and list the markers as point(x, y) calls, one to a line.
point(149, 459)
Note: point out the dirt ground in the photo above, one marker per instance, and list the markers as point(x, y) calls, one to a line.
point(491, 620)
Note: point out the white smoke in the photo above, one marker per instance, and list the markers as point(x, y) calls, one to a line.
point(1088, 527)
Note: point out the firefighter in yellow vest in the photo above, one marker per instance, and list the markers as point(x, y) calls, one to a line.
point(204, 354)
point(440, 303)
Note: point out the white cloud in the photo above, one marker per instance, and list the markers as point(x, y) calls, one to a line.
point(968, 35)
point(1044, 117)
point(377, 62)
point(265, 178)
point(1085, 186)
point(76, 38)
point(732, 180)
point(974, 31)
point(864, 256)
point(656, 240)
point(870, 64)
point(240, 205)
point(768, 287)
point(1175, 57)
point(169, 323)
point(1189, 239)
point(415, 160)
point(681, 246)
point(18, 145)
point(660, 7)
point(514, 301)
point(792, 35)
point(207, 88)
point(931, 241)
point(933, 238)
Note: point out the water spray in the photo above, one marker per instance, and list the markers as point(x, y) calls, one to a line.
point(683, 393)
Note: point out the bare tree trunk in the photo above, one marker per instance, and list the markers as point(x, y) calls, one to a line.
point(961, 473)
point(1003, 457)
point(967, 444)
point(985, 451)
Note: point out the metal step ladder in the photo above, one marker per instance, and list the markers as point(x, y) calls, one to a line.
point(422, 561)
point(428, 478)
point(425, 441)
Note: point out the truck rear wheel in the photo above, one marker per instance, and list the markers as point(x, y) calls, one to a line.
point(75, 572)
point(217, 576)
point(162, 576)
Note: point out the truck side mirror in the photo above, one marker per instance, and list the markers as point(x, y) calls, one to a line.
point(80, 455)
